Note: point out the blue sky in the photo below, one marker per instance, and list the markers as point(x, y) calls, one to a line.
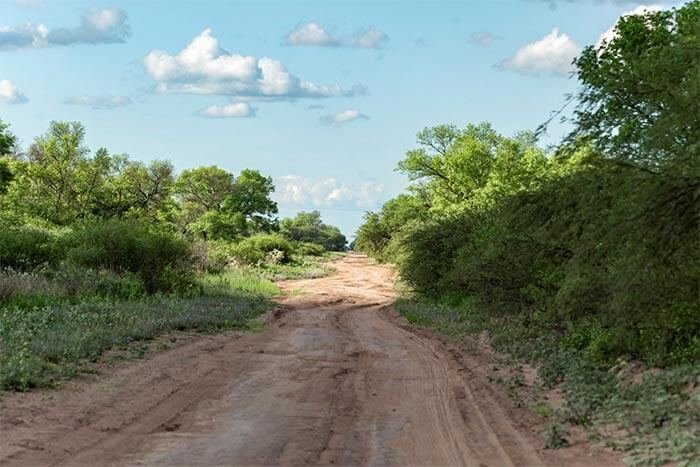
point(324, 96)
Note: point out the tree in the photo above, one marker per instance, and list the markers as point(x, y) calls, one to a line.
point(471, 167)
point(451, 164)
point(136, 188)
point(6, 175)
point(215, 205)
point(250, 197)
point(640, 95)
point(59, 180)
point(8, 141)
point(307, 227)
point(204, 188)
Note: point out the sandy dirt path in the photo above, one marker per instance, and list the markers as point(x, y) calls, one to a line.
point(336, 378)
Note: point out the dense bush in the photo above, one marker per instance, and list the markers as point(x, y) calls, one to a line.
point(258, 248)
point(594, 247)
point(26, 248)
point(595, 244)
point(161, 259)
point(307, 227)
point(309, 249)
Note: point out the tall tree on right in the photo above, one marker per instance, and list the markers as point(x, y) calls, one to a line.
point(640, 99)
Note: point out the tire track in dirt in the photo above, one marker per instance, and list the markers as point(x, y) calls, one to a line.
point(336, 378)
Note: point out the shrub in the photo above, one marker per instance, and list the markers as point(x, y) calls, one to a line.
point(255, 249)
point(26, 248)
point(310, 249)
point(162, 260)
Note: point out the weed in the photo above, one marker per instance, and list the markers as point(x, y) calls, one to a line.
point(555, 436)
point(655, 418)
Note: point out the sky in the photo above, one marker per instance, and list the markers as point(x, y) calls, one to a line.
point(324, 96)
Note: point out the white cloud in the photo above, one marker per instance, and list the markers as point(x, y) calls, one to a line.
point(370, 38)
point(99, 102)
point(235, 110)
point(107, 25)
point(306, 193)
point(203, 67)
point(314, 34)
point(553, 53)
point(483, 38)
point(9, 94)
point(610, 34)
point(343, 117)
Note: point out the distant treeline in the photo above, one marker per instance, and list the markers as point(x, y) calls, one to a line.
point(62, 205)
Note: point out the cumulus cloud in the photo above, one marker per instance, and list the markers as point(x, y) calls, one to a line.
point(9, 94)
point(314, 34)
point(99, 102)
point(203, 67)
point(482, 38)
point(234, 110)
point(553, 53)
point(304, 192)
point(610, 34)
point(343, 117)
point(103, 26)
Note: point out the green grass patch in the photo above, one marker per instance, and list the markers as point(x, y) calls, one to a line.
point(302, 267)
point(41, 345)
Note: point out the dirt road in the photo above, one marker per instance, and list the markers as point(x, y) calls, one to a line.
point(334, 379)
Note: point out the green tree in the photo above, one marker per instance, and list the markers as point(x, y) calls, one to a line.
point(201, 191)
point(379, 228)
point(308, 227)
point(216, 205)
point(640, 95)
point(250, 198)
point(204, 188)
point(8, 141)
point(6, 175)
point(60, 182)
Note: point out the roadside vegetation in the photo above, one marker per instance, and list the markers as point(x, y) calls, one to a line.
point(98, 251)
point(582, 259)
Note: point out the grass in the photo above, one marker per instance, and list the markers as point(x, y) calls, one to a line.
point(653, 416)
point(42, 345)
point(49, 330)
point(302, 267)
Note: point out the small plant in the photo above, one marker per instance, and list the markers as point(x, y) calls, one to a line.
point(555, 436)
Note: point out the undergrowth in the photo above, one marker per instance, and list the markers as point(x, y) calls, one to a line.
point(42, 344)
point(652, 415)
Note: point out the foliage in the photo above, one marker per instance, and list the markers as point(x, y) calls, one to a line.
point(640, 91)
point(216, 205)
point(251, 198)
point(40, 346)
point(582, 258)
point(159, 258)
point(8, 141)
point(26, 248)
point(307, 227)
point(255, 249)
point(653, 415)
